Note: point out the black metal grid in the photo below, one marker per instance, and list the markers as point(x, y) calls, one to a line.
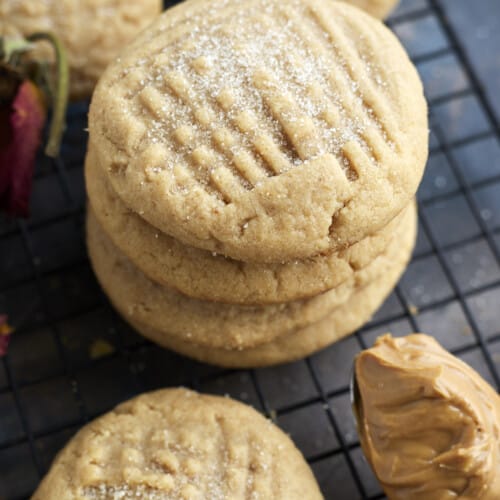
point(51, 383)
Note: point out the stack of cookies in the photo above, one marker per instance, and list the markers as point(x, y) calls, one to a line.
point(251, 172)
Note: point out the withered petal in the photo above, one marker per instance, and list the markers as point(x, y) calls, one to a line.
point(25, 121)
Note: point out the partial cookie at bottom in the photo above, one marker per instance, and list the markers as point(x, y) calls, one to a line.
point(175, 444)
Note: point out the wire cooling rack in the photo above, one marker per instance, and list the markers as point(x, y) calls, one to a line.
point(73, 358)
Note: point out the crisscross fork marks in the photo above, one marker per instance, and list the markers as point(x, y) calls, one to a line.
point(297, 125)
point(223, 451)
point(229, 182)
point(326, 108)
point(345, 94)
point(373, 101)
point(187, 178)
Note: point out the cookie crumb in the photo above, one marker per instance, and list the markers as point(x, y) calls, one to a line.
point(100, 348)
point(413, 310)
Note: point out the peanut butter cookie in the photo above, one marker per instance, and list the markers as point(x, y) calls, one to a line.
point(93, 31)
point(175, 444)
point(264, 130)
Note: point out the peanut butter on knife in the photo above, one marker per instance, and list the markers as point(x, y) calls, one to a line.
point(429, 424)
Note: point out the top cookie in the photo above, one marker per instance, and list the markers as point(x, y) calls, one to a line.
point(175, 444)
point(265, 130)
point(93, 31)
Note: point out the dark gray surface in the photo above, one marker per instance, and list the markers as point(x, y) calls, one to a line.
point(477, 23)
point(50, 383)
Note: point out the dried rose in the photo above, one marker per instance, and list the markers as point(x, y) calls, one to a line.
point(5, 334)
point(25, 87)
point(21, 125)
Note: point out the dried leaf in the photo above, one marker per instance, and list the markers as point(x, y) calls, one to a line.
point(5, 334)
point(21, 124)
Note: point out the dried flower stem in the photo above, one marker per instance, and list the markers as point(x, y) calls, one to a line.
point(60, 96)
